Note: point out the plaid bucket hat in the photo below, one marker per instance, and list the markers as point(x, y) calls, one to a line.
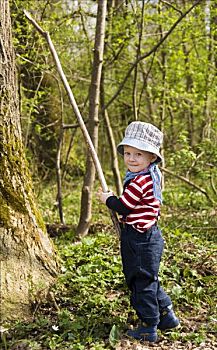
point(143, 136)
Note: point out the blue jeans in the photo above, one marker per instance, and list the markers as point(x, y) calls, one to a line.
point(141, 254)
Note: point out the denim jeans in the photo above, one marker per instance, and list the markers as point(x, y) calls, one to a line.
point(141, 254)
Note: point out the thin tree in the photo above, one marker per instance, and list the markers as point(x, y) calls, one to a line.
point(105, 115)
point(138, 53)
point(94, 93)
point(28, 258)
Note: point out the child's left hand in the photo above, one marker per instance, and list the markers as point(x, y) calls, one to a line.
point(103, 196)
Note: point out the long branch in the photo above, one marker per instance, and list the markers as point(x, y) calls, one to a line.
point(182, 178)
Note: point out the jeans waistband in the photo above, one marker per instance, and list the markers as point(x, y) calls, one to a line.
point(123, 225)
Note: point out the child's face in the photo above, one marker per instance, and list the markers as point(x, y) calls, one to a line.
point(137, 160)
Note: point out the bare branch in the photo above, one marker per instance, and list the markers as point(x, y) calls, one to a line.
point(71, 126)
point(170, 5)
point(182, 178)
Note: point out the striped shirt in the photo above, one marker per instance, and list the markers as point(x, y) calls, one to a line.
point(139, 198)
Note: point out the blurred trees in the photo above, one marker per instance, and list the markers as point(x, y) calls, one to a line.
point(172, 85)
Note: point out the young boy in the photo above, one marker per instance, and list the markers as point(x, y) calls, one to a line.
point(141, 239)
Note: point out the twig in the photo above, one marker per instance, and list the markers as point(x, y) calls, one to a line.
point(170, 5)
point(213, 185)
point(51, 294)
point(194, 162)
point(201, 227)
point(71, 126)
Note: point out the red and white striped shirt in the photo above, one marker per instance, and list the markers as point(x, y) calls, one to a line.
point(138, 197)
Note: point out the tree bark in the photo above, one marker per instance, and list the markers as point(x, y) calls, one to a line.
point(86, 199)
point(112, 144)
point(28, 259)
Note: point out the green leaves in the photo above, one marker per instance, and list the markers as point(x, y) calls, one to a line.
point(93, 302)
point(113, 336)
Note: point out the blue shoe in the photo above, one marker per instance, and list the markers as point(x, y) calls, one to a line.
point(168, 320)
point(144, 333)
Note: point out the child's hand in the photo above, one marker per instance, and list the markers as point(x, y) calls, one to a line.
point(103, 196)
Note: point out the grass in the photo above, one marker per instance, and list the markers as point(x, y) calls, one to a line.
point(88, 308)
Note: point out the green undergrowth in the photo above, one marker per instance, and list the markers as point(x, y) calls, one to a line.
point(88, 308)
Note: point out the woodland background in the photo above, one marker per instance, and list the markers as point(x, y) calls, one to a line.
point(152, 71)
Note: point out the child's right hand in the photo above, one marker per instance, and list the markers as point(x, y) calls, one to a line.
point(103, 196)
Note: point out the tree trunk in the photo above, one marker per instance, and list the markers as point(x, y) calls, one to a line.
point(138, 53)
point(163, 65)
point(109, 131)
point(112, 144)
point(28, 259)
point(86, 200)
point(209, 99)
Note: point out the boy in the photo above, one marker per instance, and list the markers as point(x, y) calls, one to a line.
point(141, 239)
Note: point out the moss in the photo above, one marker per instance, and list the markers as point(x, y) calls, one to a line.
point(14, 200)
point(4, 213)
point(38, 216)
point(13, 158)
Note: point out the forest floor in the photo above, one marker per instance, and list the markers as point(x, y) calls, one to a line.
point(89, 308)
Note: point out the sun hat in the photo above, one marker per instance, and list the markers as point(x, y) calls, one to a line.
point(143, 136)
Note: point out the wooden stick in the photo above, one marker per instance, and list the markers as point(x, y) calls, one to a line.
point(77, 113)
